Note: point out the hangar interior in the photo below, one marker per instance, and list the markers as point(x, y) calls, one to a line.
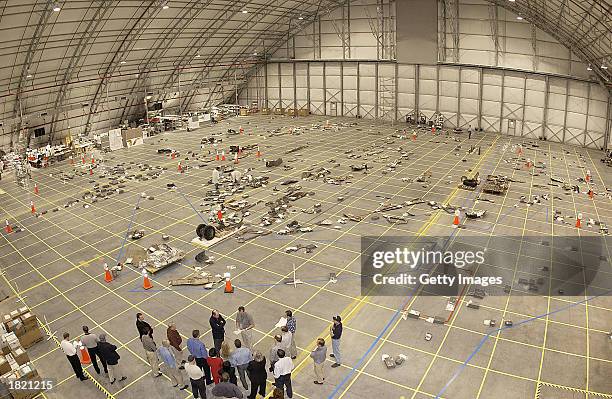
point(337, 126)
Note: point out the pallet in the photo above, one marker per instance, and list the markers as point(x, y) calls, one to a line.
point(221, 235)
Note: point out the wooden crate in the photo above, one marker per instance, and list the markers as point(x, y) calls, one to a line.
point(303, 112)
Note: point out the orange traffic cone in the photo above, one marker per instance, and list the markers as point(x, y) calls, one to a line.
point(32, 207)
point(91, 171)
point(180, 168)
point(528, 163)
point(172, 155)
point(456, 218)
point(223, 155)
point(35, 188)
point(108, 277)
point(71, 160)
point(327, 123)
point(219, 215)
point(228, 284)
point(433, 129)
point(8, 228)
point(579, 221)
point(241, 130)
point(83, 159)
point(591, 193)
point(236, 161)
point(85, 359)
point(414, 136)
point(93, 160)
point(217, 155)
point(146, 283)
point(258, 152)
point(588, 176)
point(519, 150)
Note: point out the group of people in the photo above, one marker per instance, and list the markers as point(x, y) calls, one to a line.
point(218, 365)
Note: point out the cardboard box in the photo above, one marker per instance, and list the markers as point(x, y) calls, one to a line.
point(130, 134)
point(31, 337)
point(291, 112)
point(243, 112)
point(5, 367)
point(278, 111)
point(265, 111)
point(21, 357)
point(303, 112)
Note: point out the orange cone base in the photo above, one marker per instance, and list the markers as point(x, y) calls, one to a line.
point(146, 283)
point(228, 288)
point(85, 359)
point(8, 229)
point(108, 277)
point(578, 224)
point(456, 221)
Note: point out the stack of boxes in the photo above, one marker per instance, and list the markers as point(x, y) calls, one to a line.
point(20, 330)
point(24, 325)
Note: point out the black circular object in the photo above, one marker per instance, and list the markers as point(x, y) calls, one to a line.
point(205, 231)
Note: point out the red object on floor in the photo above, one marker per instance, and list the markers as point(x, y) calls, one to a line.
point(35, 188)
point(32, 207)
point(108, 277)
point(146, 283)
point(85, 359)
point(579, 220)
point(8, 227)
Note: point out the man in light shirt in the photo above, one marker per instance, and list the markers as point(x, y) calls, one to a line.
point(286, 338)
point(165, 353)
point(245, 323)
point(216, 176)
point(91, 343)
point(240, 359)
point(282, 373)
point(274, 351)
point(71, 353)
point(196, 377)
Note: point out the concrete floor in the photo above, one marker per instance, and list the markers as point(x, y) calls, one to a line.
point(56, 267)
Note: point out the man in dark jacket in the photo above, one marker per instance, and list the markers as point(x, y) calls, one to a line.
point(175, 343)
point(336, 334)
point(257, 375)
point(110, 355)
point(217, 325)
point(142, 326)
point(226, 389)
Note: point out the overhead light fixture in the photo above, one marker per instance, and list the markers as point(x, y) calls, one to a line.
point(197, 56)
point(148, 97)
point(29, 76)
point(123, 62)
point(603, 66)
point(245, 12)
point(512, 1)
point(165, 5)
point(255, 54)
point(589, 68)
point(519, 17)
point(300, 18)
point(56, 7)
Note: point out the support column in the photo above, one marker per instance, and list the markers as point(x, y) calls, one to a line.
point(376, 91)
point(396, 117)
point(565, 111)
point(459, 99)
point(480, 80)
point(324, 92)
point(358, 92)
point(416, 91)
point(586, 121)
point(294, 88)
point(342, 88)
point(607, 133)
point(524, 101)
point(501, 102)
point(267, 105)
point(308, 85)
point(280, 91)
point(545, 120)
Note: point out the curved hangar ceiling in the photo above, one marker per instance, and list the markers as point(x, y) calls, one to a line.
point(62, 56)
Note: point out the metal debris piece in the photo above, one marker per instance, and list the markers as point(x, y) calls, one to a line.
point(272, 163)
point(160, 256)
point(475, 214)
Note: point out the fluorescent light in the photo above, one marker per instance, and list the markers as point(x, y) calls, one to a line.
point(56, 7)
point(254, 53)
point(603, 66)
point(300, 18)
point(245, 12)
point(122, 62)
point(148, 97)
point(197, 56)
point(512, 1)
point(29, 76)
point(519, 17)
point(589, 68)
point(165, 6)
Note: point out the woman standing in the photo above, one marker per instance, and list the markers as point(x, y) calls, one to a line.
point(257, 375)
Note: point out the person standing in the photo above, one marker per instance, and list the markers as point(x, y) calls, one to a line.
point(257, 375)
point(110, 355)
point(196, 377)
point(91, 343)
point(198, 350)
point(217, 326)
point(151, 351)
point(282, 373)
point(240, 359)
point(216, 176)
point(215, 363)
point(226, 389)
point(71, 353)
point(274, 351)
point(245, 323)
point(286, 338)
point(469, 131)
point(231, 371)
point(175, 343)
point(170, 364)
point(336, 334)
point(292, 326)
point(142, 326)
point(318, 356)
